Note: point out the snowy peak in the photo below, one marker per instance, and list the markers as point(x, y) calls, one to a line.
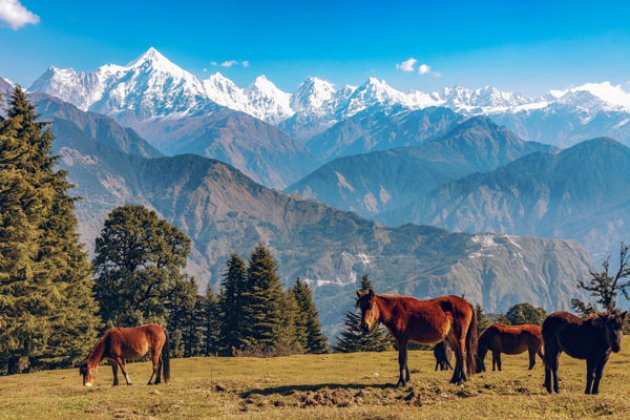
point(312, 95)
point(594, 96)
point(267, 102)
point(225, 92)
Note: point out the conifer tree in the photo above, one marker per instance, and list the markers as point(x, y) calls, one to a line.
point(47, 311)
point(231, 304)
point(352, 339)
point(291, 337)
point(138, 264)
point(307, 320)
point(211, 324)
point(263, 298)
point(482, 319)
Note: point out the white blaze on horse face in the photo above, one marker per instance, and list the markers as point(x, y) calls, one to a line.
point(88, 384)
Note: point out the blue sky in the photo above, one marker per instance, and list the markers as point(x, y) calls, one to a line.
point(527, 46)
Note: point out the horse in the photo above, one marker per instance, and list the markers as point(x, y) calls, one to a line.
point(591, 338)
point(442, 354)
point(425, 322)
point(118, 344)
point(509, 339)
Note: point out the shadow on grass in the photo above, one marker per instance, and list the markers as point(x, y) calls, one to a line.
point(290, 389)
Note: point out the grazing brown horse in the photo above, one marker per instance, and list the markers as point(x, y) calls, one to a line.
point(119, 344)
point(592, 338)
point(426, 322)
point(442, 353)
point(509, 339)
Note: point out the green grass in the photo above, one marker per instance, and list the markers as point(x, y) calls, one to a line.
point(324, 386)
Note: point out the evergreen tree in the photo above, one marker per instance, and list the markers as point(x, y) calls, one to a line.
point(263, 298)
point(138, 266)
point(47, 311)
point(482, 320)
point(231, 304)
point(352, 339)
point(291, 337)
point(211, 324)
point(308, 327)
point(524, 313)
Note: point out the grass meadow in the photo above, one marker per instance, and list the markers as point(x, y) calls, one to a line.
point(320, 386)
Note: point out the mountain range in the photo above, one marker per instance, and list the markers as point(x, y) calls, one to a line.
point(212, 158)
point(223, 210)
point(152, 86)
point(382, 184)
point(582, 193)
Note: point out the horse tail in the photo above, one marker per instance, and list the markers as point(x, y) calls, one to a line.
point(166, 358)
point(472, 343)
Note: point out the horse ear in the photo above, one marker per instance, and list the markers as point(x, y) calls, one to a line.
point(358, 294)
point(371, 293)
point(624, 315)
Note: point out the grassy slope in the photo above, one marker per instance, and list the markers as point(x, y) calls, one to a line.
point(328, 386)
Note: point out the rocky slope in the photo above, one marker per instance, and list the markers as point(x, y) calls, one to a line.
point(380, 184)
point(581, 193)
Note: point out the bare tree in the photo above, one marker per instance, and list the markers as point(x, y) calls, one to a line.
point(605, 286)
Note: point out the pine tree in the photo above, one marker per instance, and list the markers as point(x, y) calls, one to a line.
point(211, 324)
point(138, 264)
point(291, 339)
point(482, 319)
point(47, 311)
point(231, 304)
point(307, 320)
point(263, 298)
point(352, 339)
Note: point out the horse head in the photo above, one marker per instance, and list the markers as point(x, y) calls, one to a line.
point(370, 313)
point(612, 322)
point(88, 373)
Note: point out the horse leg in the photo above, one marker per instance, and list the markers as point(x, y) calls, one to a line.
point(115, 372)
point(494, 361)
point(499, 360)
point(402, 362)
point(554, 370)
point(121, 363)
point(551, 354)
point(590, 373)
point(532, 359)
point(459, 347)
point(599, 372)
point(155, 363)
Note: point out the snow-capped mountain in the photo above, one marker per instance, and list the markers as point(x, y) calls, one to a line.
point(152, 86)
point(148, 87)
point(262, 99)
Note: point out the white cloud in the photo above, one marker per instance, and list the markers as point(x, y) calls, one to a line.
point(229, 63)
point(15, 15)
point(424, 69)
point(407, 65)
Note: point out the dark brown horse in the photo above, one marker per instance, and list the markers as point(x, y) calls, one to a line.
point(509, 339)
point(426, 322)
point(442, 353)
point(592, 339)
point(119, 344)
